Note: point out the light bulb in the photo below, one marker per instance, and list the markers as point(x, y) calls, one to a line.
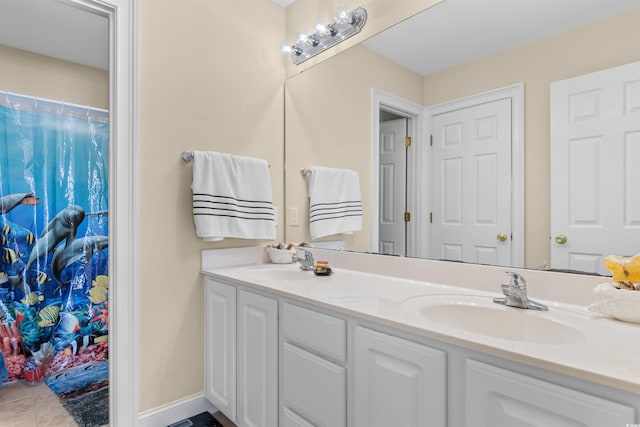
point(285, 48)
point(288, 49)
point(323, 28)
point(343, 15)
point(303, 38)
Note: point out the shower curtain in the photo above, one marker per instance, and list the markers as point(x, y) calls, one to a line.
point(54, 276)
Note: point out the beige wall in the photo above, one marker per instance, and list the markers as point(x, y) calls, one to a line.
point(37, 75)
point(210, 78)
point(607, 43)
point(328, 110)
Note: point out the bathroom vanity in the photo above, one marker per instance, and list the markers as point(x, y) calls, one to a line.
point(394, 341)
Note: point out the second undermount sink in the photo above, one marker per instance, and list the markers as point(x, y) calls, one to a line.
point(480, 315)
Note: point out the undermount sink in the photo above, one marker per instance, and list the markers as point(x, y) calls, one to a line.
point(276, 272)
point(480, 315)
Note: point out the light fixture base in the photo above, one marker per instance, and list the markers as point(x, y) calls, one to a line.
point(340, 31)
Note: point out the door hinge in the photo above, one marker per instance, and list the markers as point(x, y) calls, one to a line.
point(430, 217)
point(430, 139)
point(407, 141)
point(407, 217)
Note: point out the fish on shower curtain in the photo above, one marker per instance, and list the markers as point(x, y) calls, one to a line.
point(54, 276)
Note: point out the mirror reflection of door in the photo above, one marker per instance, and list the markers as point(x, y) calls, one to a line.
point(471, 184)
point(595, 153)
point(393, 178)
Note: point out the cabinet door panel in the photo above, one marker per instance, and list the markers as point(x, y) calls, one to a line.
point(496, 397)
point(314, 387)
point(220, 351)
point(257, 361)
point(291, 419)
point(320, 332)
point(398, 382)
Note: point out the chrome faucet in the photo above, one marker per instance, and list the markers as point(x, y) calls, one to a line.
point(307, 263)
point(515, 293)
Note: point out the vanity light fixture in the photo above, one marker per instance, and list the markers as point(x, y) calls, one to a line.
point(347, 23)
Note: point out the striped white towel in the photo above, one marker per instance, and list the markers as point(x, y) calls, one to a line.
point(335, 202)
point(232, 197)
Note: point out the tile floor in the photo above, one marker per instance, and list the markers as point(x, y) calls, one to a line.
point(23, 405)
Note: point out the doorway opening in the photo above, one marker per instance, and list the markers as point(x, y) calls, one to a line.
point(419, 182)
point(396, 166)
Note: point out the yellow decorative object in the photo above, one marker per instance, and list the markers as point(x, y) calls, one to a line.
point(623, 269)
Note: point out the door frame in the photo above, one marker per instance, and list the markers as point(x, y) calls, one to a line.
point(514, 92)
point(381, 100)
point(123, 210)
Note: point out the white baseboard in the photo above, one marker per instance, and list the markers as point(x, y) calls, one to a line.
point(170, 413)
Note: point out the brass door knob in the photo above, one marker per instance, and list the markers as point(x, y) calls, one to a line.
point(561, 239)
point(502, 237)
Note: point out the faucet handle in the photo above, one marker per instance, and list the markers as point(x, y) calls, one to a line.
point(516, 280)
point(308, 256)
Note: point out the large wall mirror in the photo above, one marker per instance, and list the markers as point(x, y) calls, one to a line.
point(418, 75)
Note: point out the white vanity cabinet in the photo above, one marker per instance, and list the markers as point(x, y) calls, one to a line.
point(220, 347)
point(314, 375)
point(496, 397)
point(397, 382)
point(241, 346)
point(274, 360)
point(257, 369)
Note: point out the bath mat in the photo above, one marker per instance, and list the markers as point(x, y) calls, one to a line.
point(90, 410)
point(84, 392)
point(203, 419)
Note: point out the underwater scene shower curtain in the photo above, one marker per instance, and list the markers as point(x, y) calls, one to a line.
point(54, 228)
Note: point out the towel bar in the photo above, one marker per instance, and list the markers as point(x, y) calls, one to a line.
point(305, 171)
point(187, 156)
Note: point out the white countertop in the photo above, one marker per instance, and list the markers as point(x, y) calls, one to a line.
point(602, 350)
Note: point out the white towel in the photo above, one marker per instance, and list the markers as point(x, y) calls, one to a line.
point(335, 201)
point(232, 197)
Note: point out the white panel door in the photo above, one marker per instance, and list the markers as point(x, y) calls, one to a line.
point(496, 397)
point(314, 387)
point(257, 369)
point(471, 192)
point(392, 187)
point(595, 153)
point(397, 382)
point(220, 350)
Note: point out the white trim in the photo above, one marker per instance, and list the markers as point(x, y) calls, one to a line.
point(516, 93)
point(123, 209)
point(415, 113)
point(176, 411)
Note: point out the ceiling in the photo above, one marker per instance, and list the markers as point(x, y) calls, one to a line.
point(457, 31)
point(53, 28)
